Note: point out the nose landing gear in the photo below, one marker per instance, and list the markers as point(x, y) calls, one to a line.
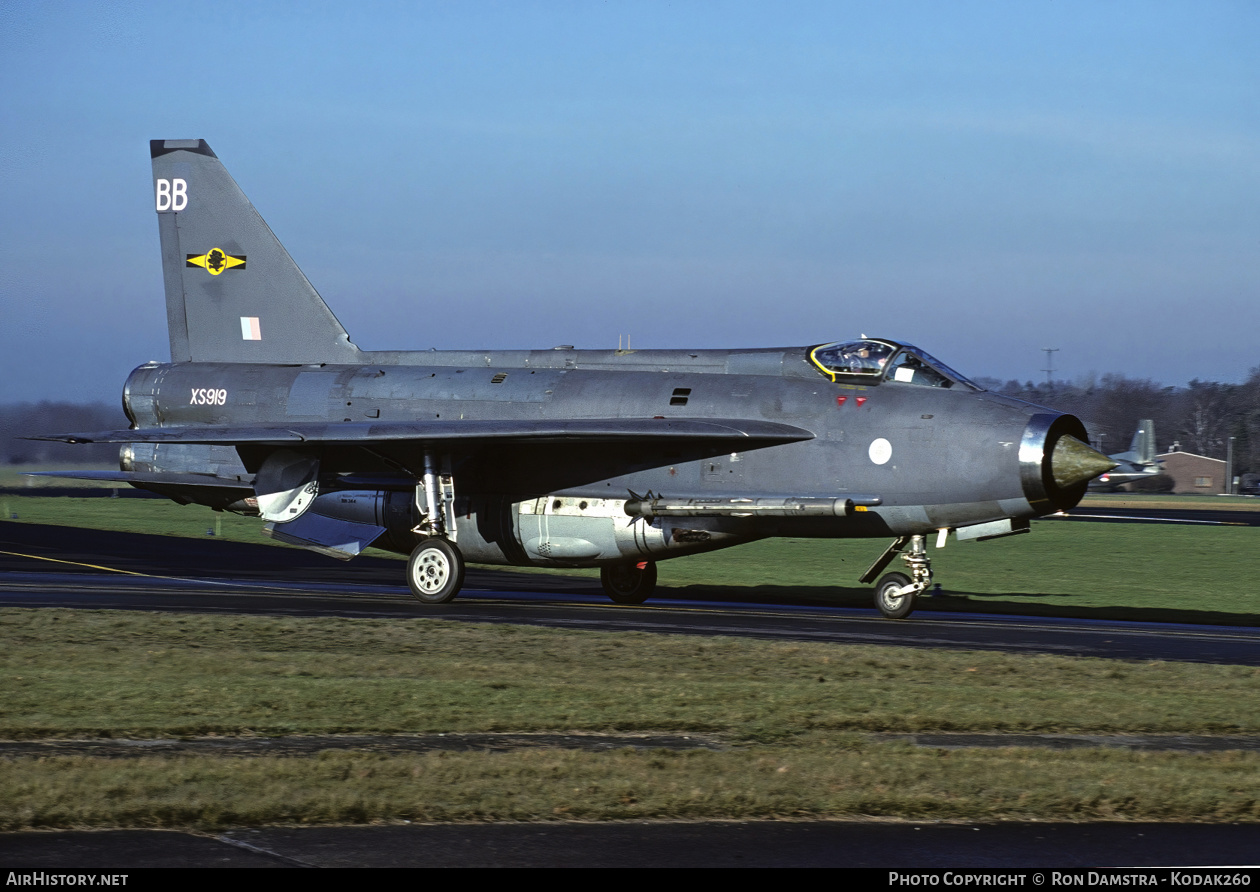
point(896, 593)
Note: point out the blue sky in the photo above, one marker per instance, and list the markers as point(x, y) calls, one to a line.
point(983, 179)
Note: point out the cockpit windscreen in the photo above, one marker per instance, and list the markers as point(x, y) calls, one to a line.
point(871, 361)
point(864, 359)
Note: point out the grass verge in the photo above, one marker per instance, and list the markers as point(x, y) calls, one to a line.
point(817, 779)
point(792, 713)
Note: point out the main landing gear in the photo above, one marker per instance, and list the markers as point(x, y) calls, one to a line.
point(435, 570)
point(629, 583)
point(896, 593)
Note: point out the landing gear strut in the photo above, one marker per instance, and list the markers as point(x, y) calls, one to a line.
point(896, 593)
point(435, 570)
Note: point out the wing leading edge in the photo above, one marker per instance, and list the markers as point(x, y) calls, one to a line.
point(588, 430)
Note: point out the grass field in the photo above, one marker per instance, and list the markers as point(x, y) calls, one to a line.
point(793, 717)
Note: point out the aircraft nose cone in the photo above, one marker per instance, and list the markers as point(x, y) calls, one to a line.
point(1073, 462)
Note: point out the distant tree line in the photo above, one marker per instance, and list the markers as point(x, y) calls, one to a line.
point(1200, 418)
point(34, 419)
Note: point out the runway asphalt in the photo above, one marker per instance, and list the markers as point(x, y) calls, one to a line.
point(869, 844)
point(1196, 515)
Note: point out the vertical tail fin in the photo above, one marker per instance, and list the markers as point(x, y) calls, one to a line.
point(233, 293)
point(1143, 446)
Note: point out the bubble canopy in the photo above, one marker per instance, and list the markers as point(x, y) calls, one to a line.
point(873, 360)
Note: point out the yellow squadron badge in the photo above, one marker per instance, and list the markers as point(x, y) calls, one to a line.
point(215, 261)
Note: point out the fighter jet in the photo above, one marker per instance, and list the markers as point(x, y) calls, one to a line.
point(1136, 464)
point(559, 457)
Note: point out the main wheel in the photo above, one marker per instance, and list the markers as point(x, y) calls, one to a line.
point(629, 583)
point(891, 604)
point(435, 571)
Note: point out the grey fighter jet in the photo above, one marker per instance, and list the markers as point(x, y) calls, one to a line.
point(1138, 463)
point(614, 459)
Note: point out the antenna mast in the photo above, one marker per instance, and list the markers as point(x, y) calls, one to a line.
point(1049, 369)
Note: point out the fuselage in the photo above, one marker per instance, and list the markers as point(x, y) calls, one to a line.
point(922, 458)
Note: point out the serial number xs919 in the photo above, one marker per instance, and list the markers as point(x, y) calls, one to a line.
point(203, 396)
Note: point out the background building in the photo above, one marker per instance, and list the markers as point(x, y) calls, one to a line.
point(1193, 473)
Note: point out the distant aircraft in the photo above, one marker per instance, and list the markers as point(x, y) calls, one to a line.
point(563, 458)
point(1139, 462)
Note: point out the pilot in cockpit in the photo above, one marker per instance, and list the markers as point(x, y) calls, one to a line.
point(873, 361)
point(866, 356)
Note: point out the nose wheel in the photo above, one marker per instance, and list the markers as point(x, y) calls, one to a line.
point(897, 593)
